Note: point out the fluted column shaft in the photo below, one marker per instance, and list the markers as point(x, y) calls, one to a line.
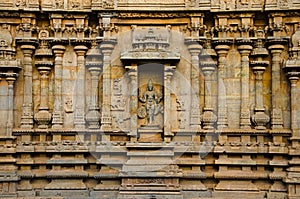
point(57, 121)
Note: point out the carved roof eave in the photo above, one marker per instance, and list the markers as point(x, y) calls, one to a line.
point(150, 55)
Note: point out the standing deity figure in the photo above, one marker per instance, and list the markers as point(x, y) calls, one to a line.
point(151, 99)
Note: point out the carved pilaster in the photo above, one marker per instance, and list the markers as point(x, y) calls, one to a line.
point(106, 48)
point(57, 115)
point(79, 115)
point(9, 69)
point(245, 49)
point(27, 112)
point(132, 72)
point(194, 49)
point(222, 49)
point(292, 70)
point(260, 118)
point(94, 63)
point(10, 117)
point(208, 118)
point(168, 73)
point(276, 114)
point(44, 65)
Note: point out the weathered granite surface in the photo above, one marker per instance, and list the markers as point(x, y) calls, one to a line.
point(135, 99)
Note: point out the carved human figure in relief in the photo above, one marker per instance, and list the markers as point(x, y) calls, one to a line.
point(151, 107)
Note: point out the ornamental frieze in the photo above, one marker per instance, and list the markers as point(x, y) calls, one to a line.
point(88, 5)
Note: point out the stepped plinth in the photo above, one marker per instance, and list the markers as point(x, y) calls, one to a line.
point(150, 171)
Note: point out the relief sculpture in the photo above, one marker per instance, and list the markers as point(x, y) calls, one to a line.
point(151, 107)
point(150, 99)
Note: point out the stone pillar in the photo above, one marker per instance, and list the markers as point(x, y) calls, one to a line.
point(43, 62)
point(27, 112)
point(208, 118)
point(260, 118)
point(94, 64)
point(43, 117)
point(292, 70)
point(107, 48)
point(57, 116)
point(294, 77)
point(245, 49)
point(79, 115)
point(276, 117)
point(293, 175)
point(222, 51)
point(194, 49)
point(168, 73)
point(93, 116)
point(10, 115)
point(132, 72)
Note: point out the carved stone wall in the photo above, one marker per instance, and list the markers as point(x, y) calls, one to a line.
point(124, 99)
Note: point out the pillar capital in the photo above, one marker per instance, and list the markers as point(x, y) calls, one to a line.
point(58, 50)
point(80, 50)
